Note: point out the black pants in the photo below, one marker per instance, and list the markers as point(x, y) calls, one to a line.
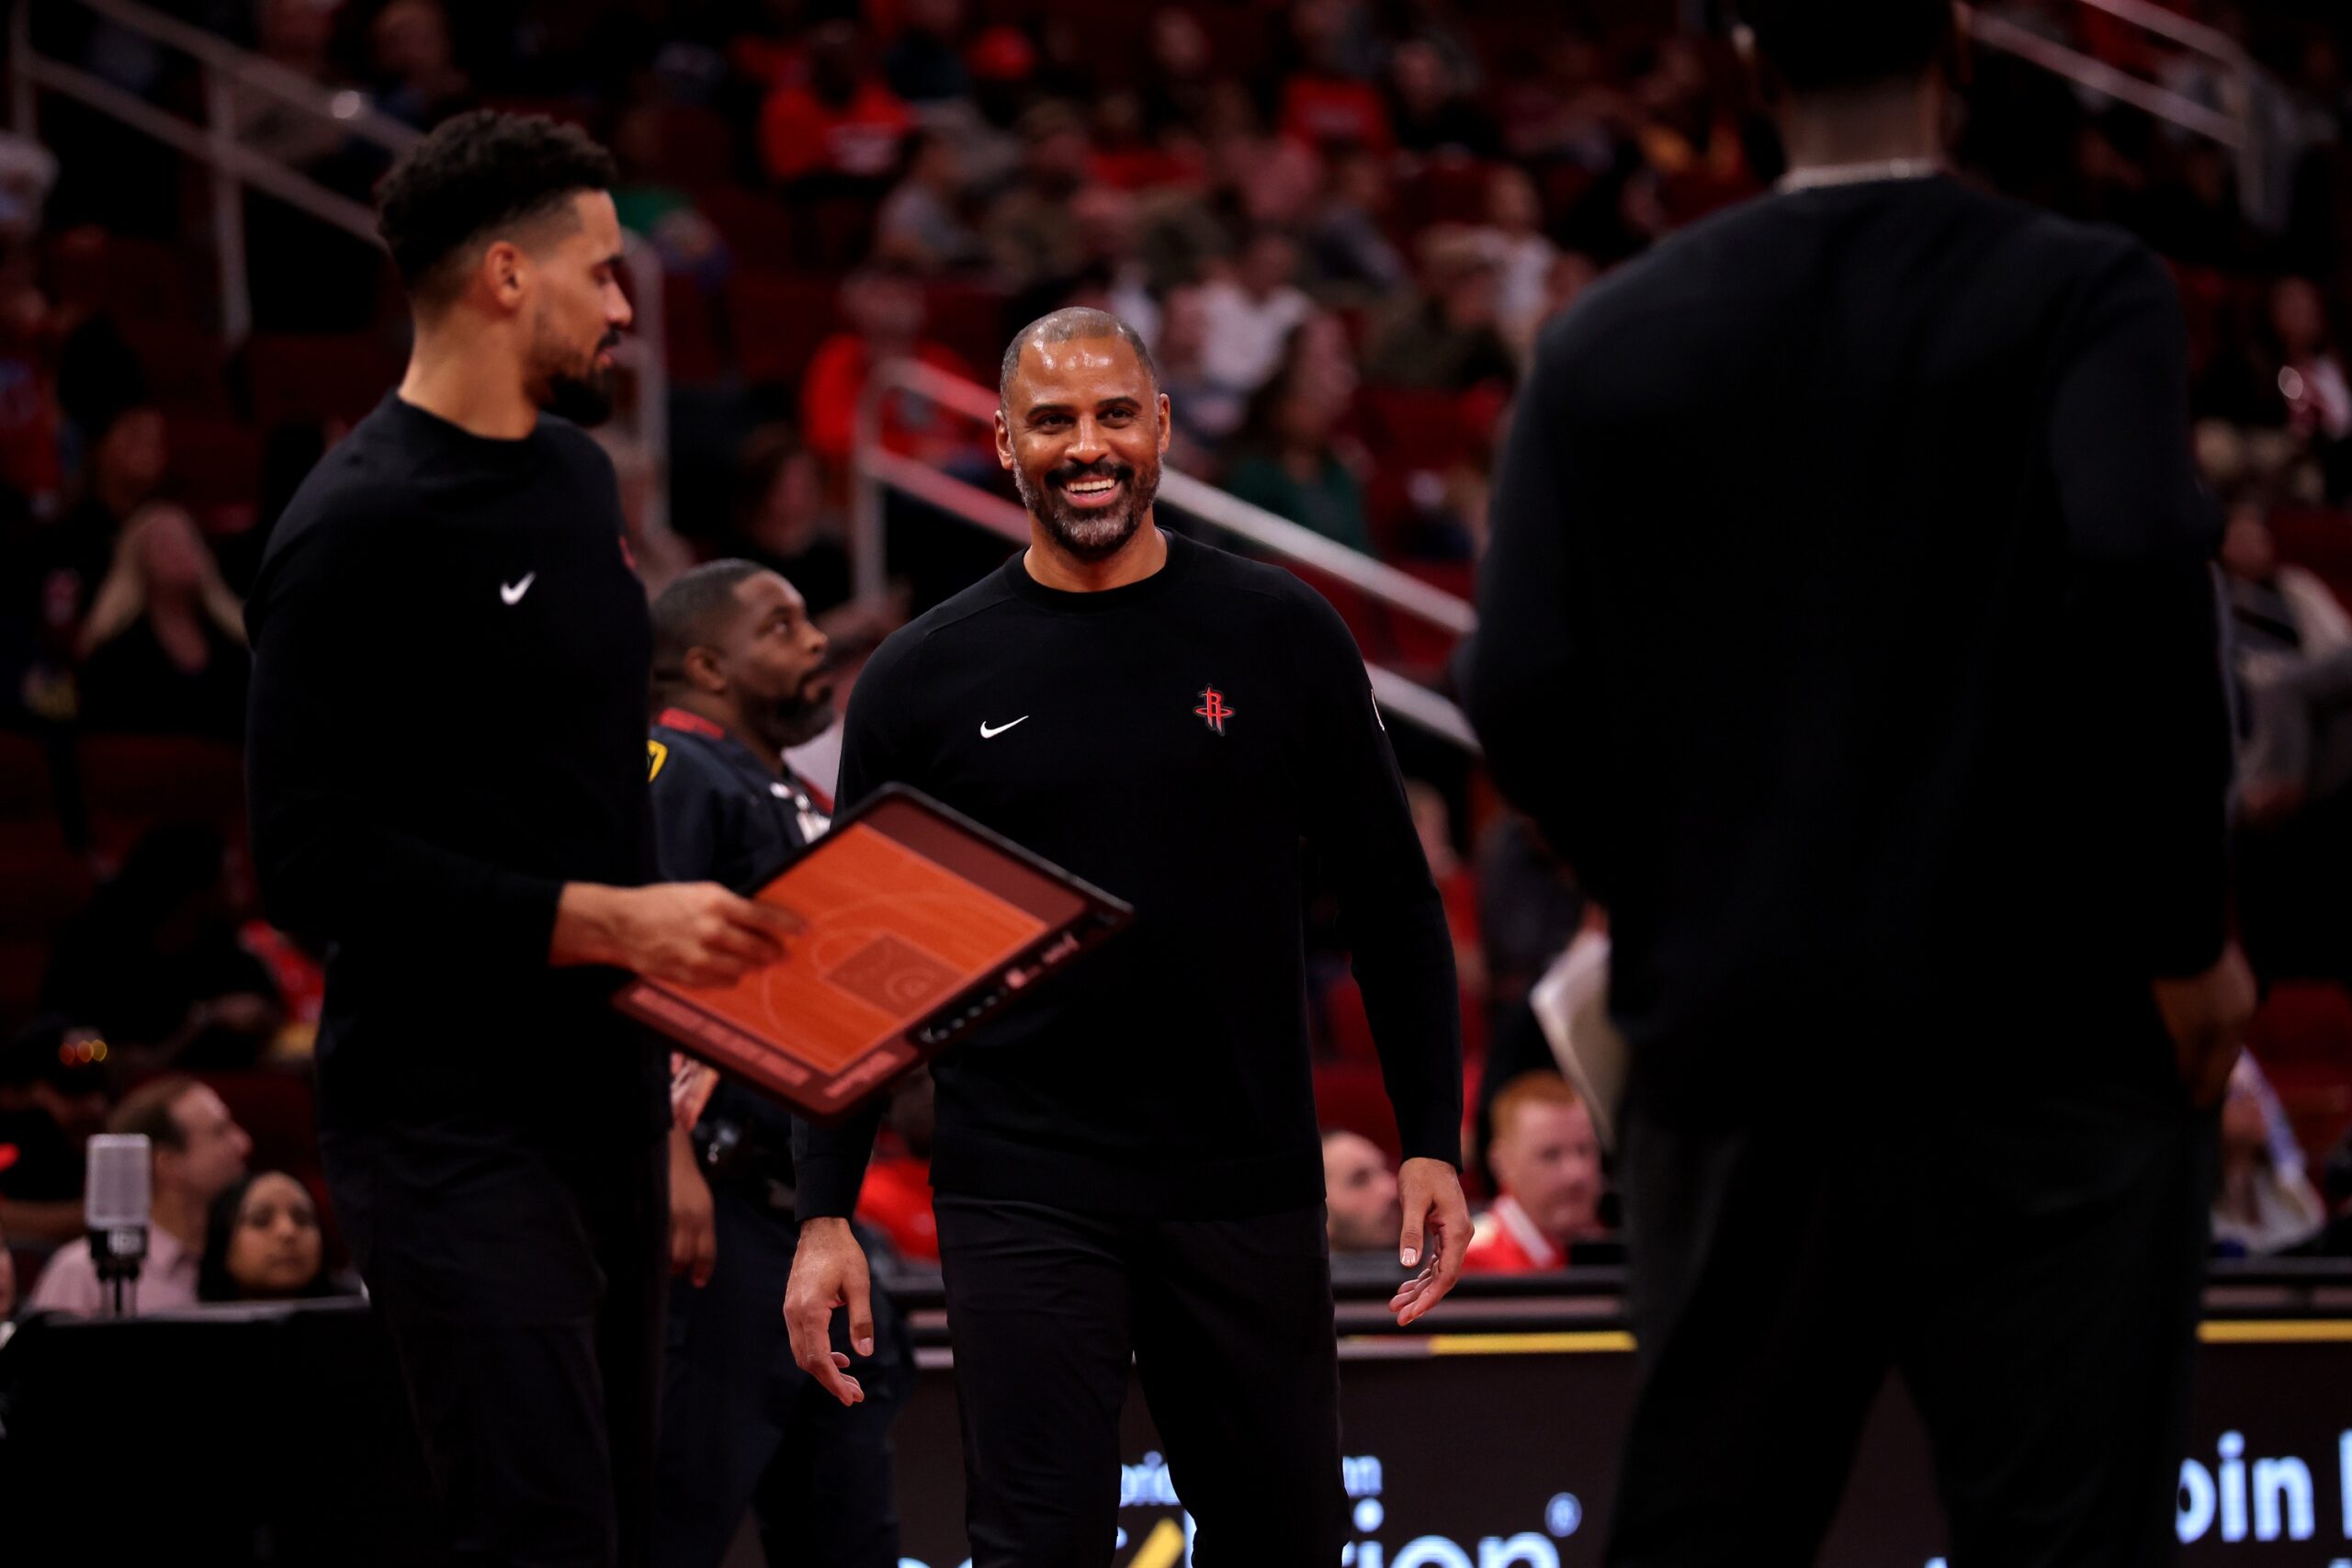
point(1229, 1323)
point(523, 1293)
point(742, 1426)
point(2029, 1260)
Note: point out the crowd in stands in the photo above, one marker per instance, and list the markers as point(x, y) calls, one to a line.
point(1340, 224)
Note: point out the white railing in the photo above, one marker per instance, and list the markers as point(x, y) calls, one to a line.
point(877, 470)
point(226, 71)
point(2231, 126)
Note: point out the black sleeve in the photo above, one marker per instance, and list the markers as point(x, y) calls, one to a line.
point(1524, 675)
point(331, 864)
point(830, 1162)
point(1389, 910)
point(2145, 630)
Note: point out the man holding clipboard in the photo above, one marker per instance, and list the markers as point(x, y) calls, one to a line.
point(1129, 1166)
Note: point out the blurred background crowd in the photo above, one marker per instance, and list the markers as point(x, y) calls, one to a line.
point(1340, 224)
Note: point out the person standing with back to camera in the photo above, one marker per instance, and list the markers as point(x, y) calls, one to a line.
point(446, 764)
point(1849, 628)
point(1127, 1166)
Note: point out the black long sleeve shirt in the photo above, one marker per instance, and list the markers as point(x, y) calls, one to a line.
point(1848, 626)
point(447, 724)
point(1183, 743)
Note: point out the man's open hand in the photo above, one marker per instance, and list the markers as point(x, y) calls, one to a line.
point(1436, 1234)
point(694, 1219)
point(828, 1271)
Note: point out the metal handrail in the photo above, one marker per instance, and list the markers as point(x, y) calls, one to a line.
point(1998, 32)
point(234, 165)
point(876, 470)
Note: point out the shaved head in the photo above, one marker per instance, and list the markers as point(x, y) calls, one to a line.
point(1069, 325)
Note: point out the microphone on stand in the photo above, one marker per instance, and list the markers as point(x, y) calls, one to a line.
point(119, 1196)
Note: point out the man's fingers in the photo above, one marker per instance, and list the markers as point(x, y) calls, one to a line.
point(1408, 1242)
point(861, 1315)
point(705, 1257)
point(772, 920)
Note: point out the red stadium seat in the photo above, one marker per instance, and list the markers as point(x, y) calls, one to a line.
point(312, 377)
point(25, 786)
point(130, 782)
point(2318, 540)
point(1415, 427)
point(216, 462)
point(778, 318)
point(2302, 1037)
point(756, 226)
point(42, 880)
point(690, 338)
point(1351, 1096)
point(185, 364)
point(969, 318)
point(695, 144)
point(149, 281)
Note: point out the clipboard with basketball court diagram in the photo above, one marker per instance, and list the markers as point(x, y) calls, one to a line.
point(912, 925)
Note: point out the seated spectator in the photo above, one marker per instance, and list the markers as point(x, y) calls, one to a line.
point(782, 519)
point(2267, 1204)
point(198, 1151)
point(262, 1243)
point(156, 961)
point(1178, 74)
point(1428, 111)
point(1522, 254)
point(2292, 647)
point(922, 225)
point(1202, 413)
point(1286, 461)
point(1445, 337)
point(1248, 313)
point(1349, 251)
point(52, 1097)
point(1326, 107)
point(839, 130)
point(1547, 1167)
point(1034, 233)
point(1361, 1203)
point(127, 457)
point(415, 65)
point(164, 649)
point(925, 63)
point(884, 312)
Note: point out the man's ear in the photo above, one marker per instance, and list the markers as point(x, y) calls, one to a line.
point(702, 669)
point(505, 269)
point(1004, 443)
point(1167, 426)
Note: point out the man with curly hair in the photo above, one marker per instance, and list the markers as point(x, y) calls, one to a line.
point(477, 865)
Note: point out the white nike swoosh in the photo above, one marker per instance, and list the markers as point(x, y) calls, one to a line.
point(988, 734)
point(513, 592)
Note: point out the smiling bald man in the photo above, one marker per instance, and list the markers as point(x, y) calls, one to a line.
point(1128, 1167)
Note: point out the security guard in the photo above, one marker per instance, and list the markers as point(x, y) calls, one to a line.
point(738, 677)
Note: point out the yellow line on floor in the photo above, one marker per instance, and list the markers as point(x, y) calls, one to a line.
point(1161, 1548)
point(1527, 1343)
point(2277, 1331)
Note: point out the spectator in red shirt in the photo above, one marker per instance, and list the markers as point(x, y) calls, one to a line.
point(1548, 1163)
point(884, 308)
point(839, 127)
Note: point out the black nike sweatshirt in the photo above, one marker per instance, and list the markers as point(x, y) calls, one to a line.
point(1186, 742)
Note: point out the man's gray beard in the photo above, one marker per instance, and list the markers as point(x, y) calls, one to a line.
point(1089, 538)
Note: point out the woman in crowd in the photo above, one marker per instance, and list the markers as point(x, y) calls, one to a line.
point(163, 651)
point(261, 1243)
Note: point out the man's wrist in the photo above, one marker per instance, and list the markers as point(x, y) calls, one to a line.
point(822, 1224)
point(587, 925)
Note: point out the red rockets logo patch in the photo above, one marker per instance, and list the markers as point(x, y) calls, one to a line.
point(1212, 709)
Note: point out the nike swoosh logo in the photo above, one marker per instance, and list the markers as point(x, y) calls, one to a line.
point(988, 734)
point(513, 592)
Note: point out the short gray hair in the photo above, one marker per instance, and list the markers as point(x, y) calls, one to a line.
point(1068, 325)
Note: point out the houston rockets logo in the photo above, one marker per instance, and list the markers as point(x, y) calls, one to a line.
point(1213, 708)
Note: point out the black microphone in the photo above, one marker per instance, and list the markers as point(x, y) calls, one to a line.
point(115, 1205)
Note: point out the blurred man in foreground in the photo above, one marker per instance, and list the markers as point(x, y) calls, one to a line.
point(1849, 628)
